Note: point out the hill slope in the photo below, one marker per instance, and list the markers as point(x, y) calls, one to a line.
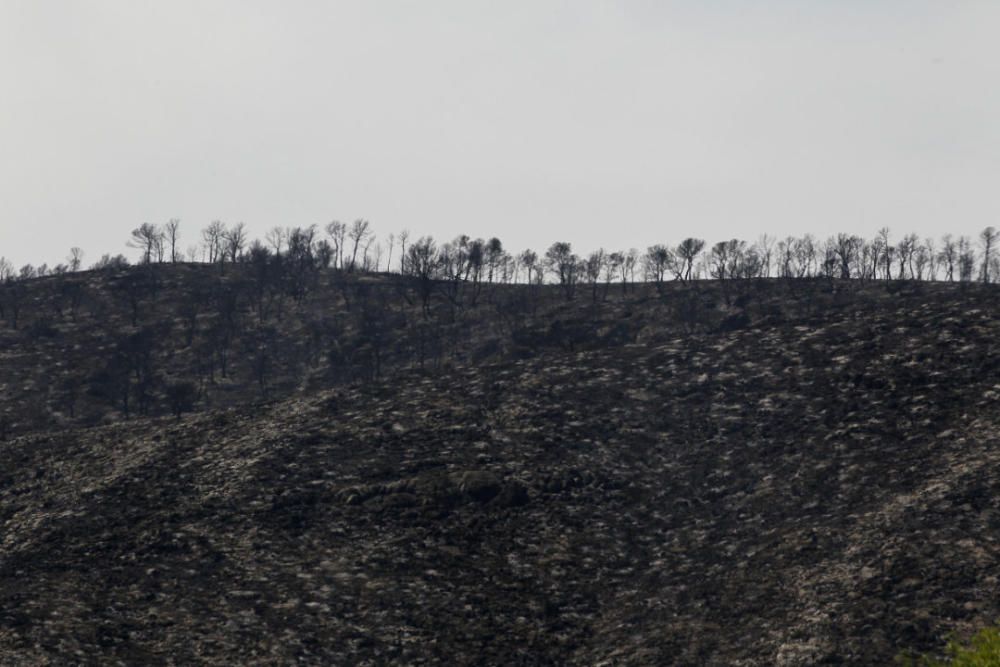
point(812, 488)
point(95, 347)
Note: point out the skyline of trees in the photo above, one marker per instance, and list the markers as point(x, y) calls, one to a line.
point(356, 248)
point(300, 305)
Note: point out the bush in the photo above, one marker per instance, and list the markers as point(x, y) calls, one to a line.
point(983, 650)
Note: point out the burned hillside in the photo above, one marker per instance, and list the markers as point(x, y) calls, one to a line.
point(788, 473)
point(95, 347)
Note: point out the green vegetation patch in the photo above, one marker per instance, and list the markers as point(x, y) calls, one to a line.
point(983, 650)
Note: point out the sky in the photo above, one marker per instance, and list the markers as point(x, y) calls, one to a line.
point(607, 124)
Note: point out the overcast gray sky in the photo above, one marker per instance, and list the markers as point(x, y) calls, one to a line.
point(609, 124)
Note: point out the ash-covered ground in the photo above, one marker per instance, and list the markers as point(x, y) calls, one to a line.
point(816, 487)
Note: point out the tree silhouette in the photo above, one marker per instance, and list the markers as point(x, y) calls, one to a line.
point(688, 252)
point(75, 260)
point(147, 238)
point(234, 240)
point(561, 261)
point(213, 238)
point(658, 261)
point(275, 238)
point(529, 260)
point(987, 240)
point(172, 235)
point(359, 232)
point(423, 264)
point(592, 268)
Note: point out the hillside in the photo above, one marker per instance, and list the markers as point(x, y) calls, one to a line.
point(95, 347)
point(796, 473)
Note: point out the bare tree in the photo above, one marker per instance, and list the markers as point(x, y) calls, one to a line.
point(376, 256)
point(324, 254)
point(515, 268)
point(404, 236)
point(75, 260)
point(561, 261)
point(932, 258)
point(13, 295)
point(145, 238)
point(873, 257)
point(631, 261)
point(765, 250)
point(592, 267)
point(235, 240)
point(172, 231)
point(829, 261)
point(753, 264)
point(966, 259)
point(359, 232)
point(738, 259)
point(657, 261)
point(723, 258)
point(688, 252)
point(475, 260)
point(301, 261)
point(904, 254)
point(847, 249)
point(275, 238)
point(462, 263)
point(987, 239)
point(493, 250)
point(160, 246)
point(786, 257)
point(366, 263)
point(623, 271)
point(423, 263)
point(508, 267)
point(213, 237)
point(948, 255)
point(337, 231)
point(611, 264)
point(529, 260)
point(804, 256)
point(921, 259)
point(886, 247)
